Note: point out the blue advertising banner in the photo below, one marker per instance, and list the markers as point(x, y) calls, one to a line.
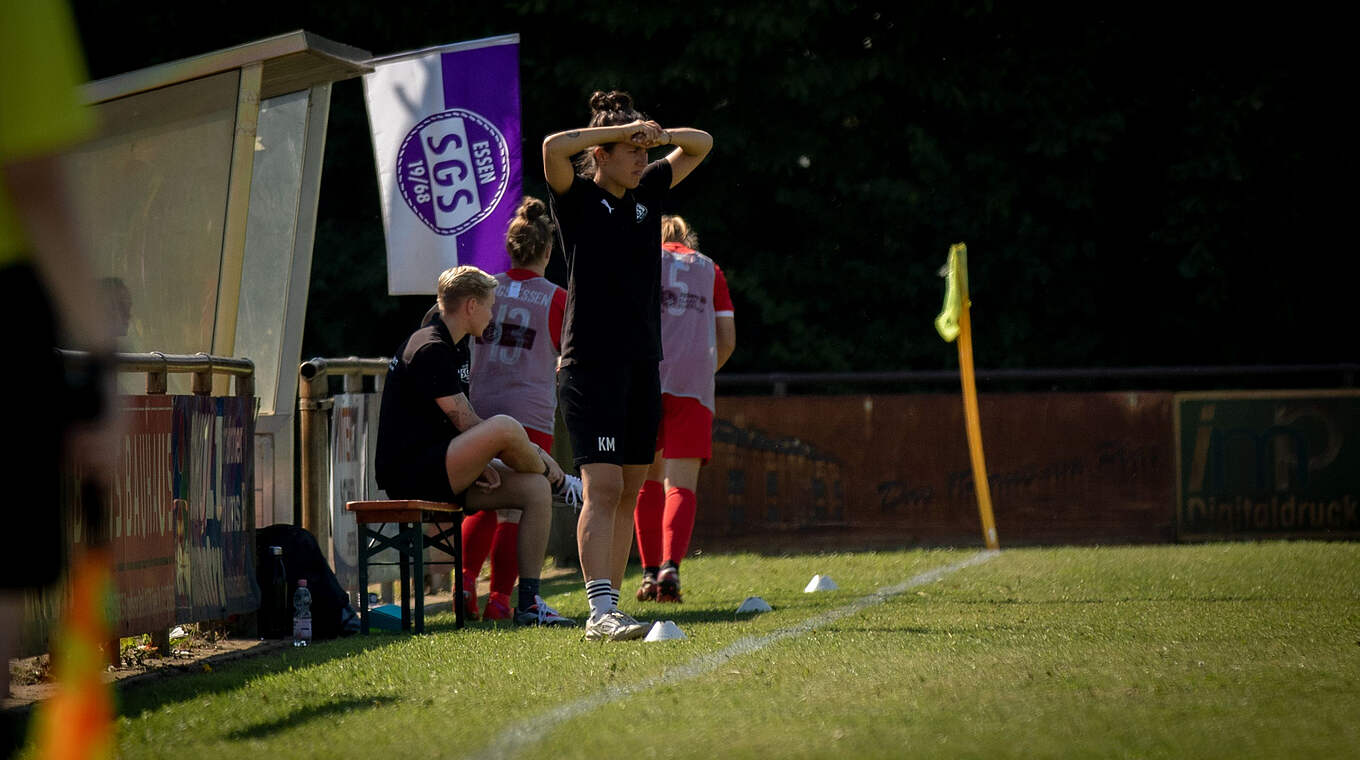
point(445, 124)
point(178, 519)
point(213, 489)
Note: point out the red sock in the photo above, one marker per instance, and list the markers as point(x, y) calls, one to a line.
point(681, 505)
point(478, 530)
point(505, 557)
point(651, 505)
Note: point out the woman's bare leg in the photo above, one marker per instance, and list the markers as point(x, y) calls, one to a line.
point(531, 496)
point(601, 487)
point(633, 476)
point(498, 437)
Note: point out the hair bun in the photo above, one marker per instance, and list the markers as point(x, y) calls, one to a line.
point(532, 208)
point(614, 100)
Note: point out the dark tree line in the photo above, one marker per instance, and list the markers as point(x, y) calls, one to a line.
point(1136, 186)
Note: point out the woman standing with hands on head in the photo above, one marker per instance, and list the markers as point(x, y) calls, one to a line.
point(609, 206)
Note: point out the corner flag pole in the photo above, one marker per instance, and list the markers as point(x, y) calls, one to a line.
point(953, 322)
point(77, 721)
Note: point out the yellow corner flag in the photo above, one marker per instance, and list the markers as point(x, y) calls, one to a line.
point(952, 323)
point(955, 272)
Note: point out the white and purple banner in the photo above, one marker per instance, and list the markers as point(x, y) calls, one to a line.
point(446, 139)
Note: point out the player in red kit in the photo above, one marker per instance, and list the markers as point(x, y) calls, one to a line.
point(698, 334)
point(514, 367)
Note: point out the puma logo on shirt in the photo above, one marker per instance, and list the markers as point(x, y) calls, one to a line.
point(607, 206)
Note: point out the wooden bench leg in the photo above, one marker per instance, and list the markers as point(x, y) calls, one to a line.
point(448, 538)
point(458, 572)
point(364, 554)
point(405, 551)
point(418, 573)
point(410, 543)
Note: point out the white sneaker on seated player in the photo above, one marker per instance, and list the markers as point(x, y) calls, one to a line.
point(568, 492)
point(542, 614)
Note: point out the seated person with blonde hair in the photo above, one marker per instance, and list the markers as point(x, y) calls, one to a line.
point(433, 446)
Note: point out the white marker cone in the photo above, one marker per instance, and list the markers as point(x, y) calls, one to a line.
point(665, 631)
point(754, 604)
point(820, 583)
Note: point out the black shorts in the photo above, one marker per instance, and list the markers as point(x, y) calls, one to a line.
point(612, 411)
point(37, 404)
point(423, 475)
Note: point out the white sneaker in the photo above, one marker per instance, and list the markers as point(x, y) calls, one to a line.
point(542, 614)
point(569, 492)
point(614, 626)
point(629, 619)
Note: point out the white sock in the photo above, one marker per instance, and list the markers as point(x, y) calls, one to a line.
point(614, 597)
point(600, 596)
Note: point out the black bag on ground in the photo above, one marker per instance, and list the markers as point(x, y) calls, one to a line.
point(302, 559)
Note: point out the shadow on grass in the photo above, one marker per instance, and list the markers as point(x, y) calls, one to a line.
point(681, 615)
point(149, 693)
point(152, 694)
point(305, 715)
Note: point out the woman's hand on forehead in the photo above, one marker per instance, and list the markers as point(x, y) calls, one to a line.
point(648, 134)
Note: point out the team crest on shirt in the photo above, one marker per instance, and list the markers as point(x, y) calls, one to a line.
point(465, 373)
point(641, 212)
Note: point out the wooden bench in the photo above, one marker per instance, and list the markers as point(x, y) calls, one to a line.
point(410, 516)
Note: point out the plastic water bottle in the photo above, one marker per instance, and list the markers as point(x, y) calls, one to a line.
point(275, 617)
point(302, 615)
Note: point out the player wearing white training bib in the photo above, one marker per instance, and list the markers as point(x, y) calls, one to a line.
point(514, 366)
point(698, 334)
point(693, 294)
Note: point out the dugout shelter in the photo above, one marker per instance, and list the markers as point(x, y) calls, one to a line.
point(198, 200)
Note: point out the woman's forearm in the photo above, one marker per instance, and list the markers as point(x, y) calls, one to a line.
point(693, 142)
point(560, 147)
point(564, 145)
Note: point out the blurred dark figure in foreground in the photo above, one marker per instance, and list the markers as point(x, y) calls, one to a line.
point(48, 299)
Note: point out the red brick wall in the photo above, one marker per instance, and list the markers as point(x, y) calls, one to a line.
point(845, 471)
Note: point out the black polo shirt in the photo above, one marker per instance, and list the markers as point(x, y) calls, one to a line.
point(613, 253)
point(428, 366)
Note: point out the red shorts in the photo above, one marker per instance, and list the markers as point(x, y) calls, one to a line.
point(686, 430)
point(544, 440)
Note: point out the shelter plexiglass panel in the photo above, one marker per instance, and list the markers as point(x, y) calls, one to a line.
point(152, 192)
point(271, 231)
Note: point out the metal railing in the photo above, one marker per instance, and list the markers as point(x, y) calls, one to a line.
point(314, 405)
point(352, 369)
point(159, 366)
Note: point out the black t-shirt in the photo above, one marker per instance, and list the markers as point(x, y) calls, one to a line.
point(428, 366)
point(613, 253)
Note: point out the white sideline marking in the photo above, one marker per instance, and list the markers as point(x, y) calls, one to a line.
point(516, 738)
